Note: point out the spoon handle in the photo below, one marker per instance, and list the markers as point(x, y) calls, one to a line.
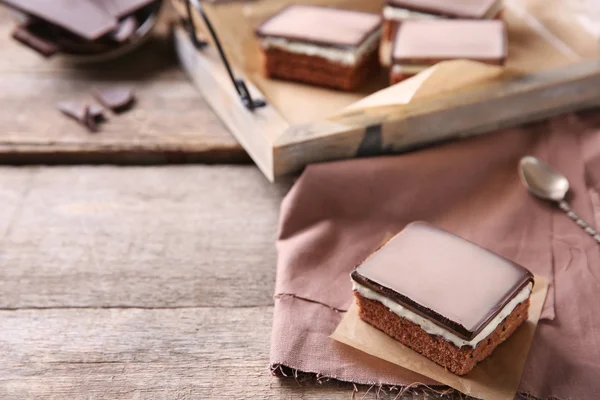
point(584, 225)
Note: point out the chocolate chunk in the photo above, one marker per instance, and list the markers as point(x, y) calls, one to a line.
point(126, 29)
point(121, 8)
point(444, 278)
point(83, 18)
point(97, 112)
point(117, 99)
point(40, 44)
point(86, 115)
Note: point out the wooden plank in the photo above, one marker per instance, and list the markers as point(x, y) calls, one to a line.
point(170, 123)
point(185, 236)
point(199, 353)
point(451, 116)
point(142, 283)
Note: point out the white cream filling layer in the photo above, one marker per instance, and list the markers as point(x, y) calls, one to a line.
point(408, 69)
point(337, 55)
point(399, 14)
point(433, 329)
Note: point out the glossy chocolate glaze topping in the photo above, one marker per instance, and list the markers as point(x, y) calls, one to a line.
point(442, 277)
point(321, 25)
point(448, 8)
point(423, 41)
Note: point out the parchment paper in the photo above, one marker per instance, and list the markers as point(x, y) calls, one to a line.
point(540, 37)
point(495, 378)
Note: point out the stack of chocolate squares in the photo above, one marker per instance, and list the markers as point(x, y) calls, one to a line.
point(82, 27)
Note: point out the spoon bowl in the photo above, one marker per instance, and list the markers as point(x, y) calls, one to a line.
point(542, 179)
point(545, 182)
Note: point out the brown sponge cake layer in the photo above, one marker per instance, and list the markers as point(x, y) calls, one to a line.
point(458, 360)
point(317, 70)
point(396, 77)
point(389, 29)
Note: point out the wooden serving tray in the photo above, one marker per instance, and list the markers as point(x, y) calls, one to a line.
point(552, 69)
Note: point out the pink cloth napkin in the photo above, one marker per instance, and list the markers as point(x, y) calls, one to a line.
point(339, 212)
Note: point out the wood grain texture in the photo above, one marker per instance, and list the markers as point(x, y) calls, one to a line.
point(171, 122)
point(141, 283)
point(199, 353)
point(137, 237)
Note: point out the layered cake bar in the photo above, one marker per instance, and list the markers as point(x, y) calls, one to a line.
point(444, 297)
point(420, 44)
point(321, 45)
point(396, 11)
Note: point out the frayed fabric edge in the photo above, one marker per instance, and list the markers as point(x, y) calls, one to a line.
point(301, 377)
point(283, 371)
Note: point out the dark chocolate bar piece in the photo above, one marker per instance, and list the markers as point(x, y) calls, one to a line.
point(121, 8)
point(117, 98)
point(86, 115)
point(454, 283)
point(31, 39)
point(97, 112)
point(83, 18)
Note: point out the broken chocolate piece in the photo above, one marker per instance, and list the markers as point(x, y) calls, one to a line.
point(40, 44)
point(126, 29)
point(83, 18)
point(117, 99)
point(86, 115)
point(121, 8)
point(97, 112)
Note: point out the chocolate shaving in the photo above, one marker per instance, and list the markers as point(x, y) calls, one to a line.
point(117, 99)
point(97, 111)
point(82, 27)
point(43, 46)
point(86, 115)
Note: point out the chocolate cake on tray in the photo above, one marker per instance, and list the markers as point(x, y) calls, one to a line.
point(444, 297)
point(322, 46)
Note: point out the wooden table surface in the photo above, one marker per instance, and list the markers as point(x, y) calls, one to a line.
point(133, 282)
point(141, 283)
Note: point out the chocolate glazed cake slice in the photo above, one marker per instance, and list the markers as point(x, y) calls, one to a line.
point(322, 46)
point(444, 297)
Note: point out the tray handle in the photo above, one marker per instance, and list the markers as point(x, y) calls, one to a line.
point(238, 83)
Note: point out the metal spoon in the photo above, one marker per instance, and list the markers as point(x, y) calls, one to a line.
point(547, 183)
